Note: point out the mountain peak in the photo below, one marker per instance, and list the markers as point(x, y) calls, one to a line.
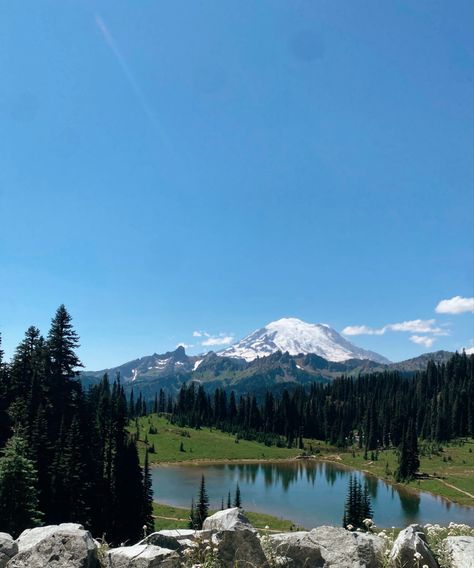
point(297, 336)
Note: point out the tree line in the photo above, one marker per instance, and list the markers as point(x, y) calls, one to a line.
point(67, 455)
point(371, 411)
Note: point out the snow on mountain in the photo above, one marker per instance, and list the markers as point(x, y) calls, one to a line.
point(296, 336)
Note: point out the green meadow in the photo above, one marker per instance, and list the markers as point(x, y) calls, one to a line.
point(446, 471)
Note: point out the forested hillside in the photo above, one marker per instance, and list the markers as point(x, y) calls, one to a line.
point(375, 410)
point(67, 455)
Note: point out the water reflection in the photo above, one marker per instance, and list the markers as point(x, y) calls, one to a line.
point(310, 493)
point(410, 504)
point(372, 485)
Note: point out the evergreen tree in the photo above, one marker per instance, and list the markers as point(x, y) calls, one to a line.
point(128, 520)
point(358, 505)
point(148, 519)
point(408, 461)
point(18, 488)
point(237, 498)
point(63, 340)
point(202, 507)
point(229, 502)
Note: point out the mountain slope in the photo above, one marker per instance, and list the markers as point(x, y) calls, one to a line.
point(152, 366)
point(296, 337)
point(420, 363)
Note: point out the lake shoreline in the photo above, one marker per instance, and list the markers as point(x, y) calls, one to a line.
point(337, 460)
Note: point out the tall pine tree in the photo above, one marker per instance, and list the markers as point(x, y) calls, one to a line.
point(18, 488)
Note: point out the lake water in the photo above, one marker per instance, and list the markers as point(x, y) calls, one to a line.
point(307, 492)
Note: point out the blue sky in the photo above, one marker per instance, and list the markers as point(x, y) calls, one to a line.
point(172, 167)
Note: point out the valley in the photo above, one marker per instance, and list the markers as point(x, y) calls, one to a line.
point(446, 473)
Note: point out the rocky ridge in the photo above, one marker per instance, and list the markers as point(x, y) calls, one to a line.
point(228, 540)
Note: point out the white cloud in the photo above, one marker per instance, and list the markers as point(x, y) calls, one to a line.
point(418, 325)
point(470, 351)
point(362, 330)
point(410, 326)
point(422, 340)
point(220, 339)
point(199, 333)
point(185, 345)
point(455, 305)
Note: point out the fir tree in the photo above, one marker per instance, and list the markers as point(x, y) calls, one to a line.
point(148, 519)
point(18, 488)
point(202, 507)
point(358, 506)
point(408, 462)
point(237, 498)
point(62, 342)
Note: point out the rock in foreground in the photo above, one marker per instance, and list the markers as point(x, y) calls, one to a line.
point(8, 548)
point(57, 546)
point(411, 549)
point(228, 540)
point(326, 547)
point(235, 540)
point(461, 551)
point(143, 556)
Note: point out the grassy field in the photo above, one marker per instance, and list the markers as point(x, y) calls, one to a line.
point(167, 517)
point(448, 473)
point(452, 466)
point(204, 444)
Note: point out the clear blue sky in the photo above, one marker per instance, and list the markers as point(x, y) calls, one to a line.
point(168, 167)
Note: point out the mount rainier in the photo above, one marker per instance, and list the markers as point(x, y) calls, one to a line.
point(298, 337)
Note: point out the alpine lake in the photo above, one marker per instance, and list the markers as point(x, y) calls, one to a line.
point(309, 493)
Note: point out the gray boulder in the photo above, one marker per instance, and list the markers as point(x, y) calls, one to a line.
point(8, 548)
point(176, 538)
point(56, 546)
point(143, 556)
point(227, 520)
point(162, 541)
point(460, 550)
point(235, 540)
point(178, 534)
point(410, 549)
point(326, 547)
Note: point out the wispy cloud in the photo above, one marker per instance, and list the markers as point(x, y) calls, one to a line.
point(410, 326)
point(199, 333)
point(214, 340)
point(362, 330)
point(137, 90)
point(422, 340)
point(455, 305)
point(418, 325)
point(185, 345)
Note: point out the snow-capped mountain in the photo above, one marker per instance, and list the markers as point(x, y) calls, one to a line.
point(296, 336)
